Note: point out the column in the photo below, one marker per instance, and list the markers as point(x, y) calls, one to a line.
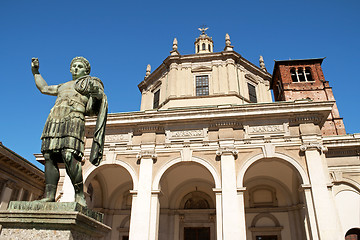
point(233, 220)
point(327, 220)
point(141, 212)
point(20, 195)
point(31, 197)
point(6, 195)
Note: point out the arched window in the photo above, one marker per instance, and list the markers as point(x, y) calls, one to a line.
point(209, 47)
point(203, 46)
point(301, 75)
point(293, 75)
point(196, 200)
point(198, 48)
point(308, 75)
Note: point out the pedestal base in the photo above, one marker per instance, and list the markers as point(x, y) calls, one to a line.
point(37, 220)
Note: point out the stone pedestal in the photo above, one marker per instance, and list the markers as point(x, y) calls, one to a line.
point(37, 220)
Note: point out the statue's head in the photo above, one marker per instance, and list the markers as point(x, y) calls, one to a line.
point(79, 67)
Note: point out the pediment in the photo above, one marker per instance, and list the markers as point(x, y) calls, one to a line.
point(251, 77)
point(201, 69)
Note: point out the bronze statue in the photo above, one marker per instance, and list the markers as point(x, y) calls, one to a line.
point(63, 134)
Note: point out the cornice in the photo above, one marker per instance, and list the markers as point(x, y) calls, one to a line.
point(245, 112)
point(20, 163)
point(254, 69)
point(344, 145)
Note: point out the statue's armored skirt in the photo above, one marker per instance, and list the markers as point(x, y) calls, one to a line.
point(64, 128)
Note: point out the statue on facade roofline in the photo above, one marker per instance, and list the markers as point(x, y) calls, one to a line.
point(64, 131)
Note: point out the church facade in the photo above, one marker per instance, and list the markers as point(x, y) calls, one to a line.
point(210, 155)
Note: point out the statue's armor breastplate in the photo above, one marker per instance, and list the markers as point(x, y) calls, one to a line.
point(69, 103)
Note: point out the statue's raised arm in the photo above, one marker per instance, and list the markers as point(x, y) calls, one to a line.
point(39, 80)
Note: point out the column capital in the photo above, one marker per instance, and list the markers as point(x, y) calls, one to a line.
point(147, 154)
point(227, 151)
point(314, 146)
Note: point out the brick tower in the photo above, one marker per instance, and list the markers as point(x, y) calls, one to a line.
point(304, 79)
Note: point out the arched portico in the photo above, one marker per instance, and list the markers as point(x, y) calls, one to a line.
point(93, 170)
point(272, 185)
point(187, 200)
point(195, 159)
point(244, 167)
point(108, 191)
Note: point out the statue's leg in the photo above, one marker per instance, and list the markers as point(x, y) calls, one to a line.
point(73, 169)
point(51, 177)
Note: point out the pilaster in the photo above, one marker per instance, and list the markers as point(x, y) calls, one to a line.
point(231, 75)
point(219, 228)
point(311, 226)
point(155, 212)
point(172, 79)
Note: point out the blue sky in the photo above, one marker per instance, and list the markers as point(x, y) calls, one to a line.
point(120, 38)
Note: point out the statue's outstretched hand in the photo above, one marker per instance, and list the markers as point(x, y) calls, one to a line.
point(35, 65)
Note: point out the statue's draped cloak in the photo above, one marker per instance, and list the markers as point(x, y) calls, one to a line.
point(65, 125)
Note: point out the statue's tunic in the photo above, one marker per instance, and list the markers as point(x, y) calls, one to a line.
point(65, 125)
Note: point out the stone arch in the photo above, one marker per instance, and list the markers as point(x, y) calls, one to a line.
point(118, 192)
point(97, 197)
point(270, 193)
point(93, 170)
point(202, 162)
point(181, 191)
point(265, 215)
point(124, 227)
point(201, 201)
point(347, 200)
point(125, 221)
point(245, 166)
point(100, 191)
point(257, 230)
point(275, 183)
point(353, 233)
point(350, 185)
